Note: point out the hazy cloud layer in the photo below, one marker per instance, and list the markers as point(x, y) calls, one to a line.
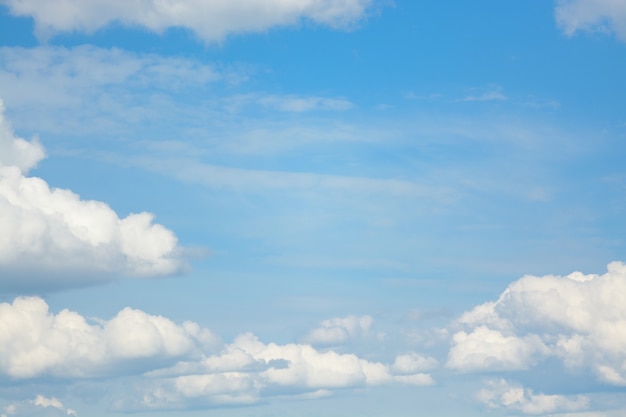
point(592, 15)
point(210, 20)
point(578, 319)
point(87, 90)
point(51, 237)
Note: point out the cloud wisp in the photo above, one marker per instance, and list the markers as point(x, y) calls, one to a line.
point(502, 394)
point(593, 16)
point(52, 239)
point(339, 330)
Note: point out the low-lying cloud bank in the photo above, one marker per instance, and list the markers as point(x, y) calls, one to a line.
point(248, 370)
point(181, 364)
point(52, 239)
point(577, 321)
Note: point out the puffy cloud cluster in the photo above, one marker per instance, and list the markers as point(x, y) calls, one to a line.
point(503, 394)
point(592, 15)
point(176, 360)
point(578, 319)
point(40, 406)
point(51, 238)
point(211, 20)
point(35, 342)
point(248, 369)
point(339, 330)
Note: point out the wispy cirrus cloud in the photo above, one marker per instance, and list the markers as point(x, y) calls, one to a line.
point(494, 93)
point(593, 16)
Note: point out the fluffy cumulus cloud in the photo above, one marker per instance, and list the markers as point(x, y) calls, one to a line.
point(248, 370)
point(39, 406)
point(503, 394)
point(578, 319)
point(211, 20)
point(339, 330)
point(35, 342)
point(484, 348)
point(50, 237)
point(179, 365)
point(592, 15)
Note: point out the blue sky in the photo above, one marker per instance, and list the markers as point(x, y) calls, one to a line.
point(312, 208)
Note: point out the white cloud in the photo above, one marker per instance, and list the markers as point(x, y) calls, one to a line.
point(103, 93)
point(411, 363)
point(339, 330)
point(579, 319)
point(255, 180)
point(15, 151)
point(302, 104)
point(492, 95)
point(89, 90)
point(35, 342)
point(88, 66)
point(592, 15)
point(53, 238)
point(484, 348)
point(503, 394)
point(209, 20)
point(286, 103)
point(40, 406)
point(248, 370)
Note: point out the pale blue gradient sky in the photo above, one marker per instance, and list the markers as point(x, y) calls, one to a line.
point(402, 161)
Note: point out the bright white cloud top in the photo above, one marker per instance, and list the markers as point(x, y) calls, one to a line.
point(579, 319)
point(36, 343)
point(50, 237)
